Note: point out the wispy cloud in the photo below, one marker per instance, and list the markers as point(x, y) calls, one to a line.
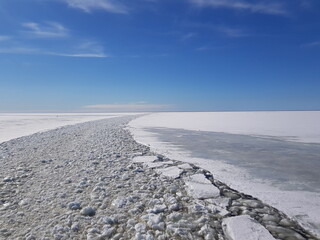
point(20, 50)
point(89, 49)
point(71, 46)
point(211, 48)
point(274, 8)
point(232, 32)
point(91, 46)
point(306, 3)
point(139, 107)
point(45, 30)
point(80, 55)
point(203, 48)
point(35, 51)
point(4, 38)
point(312, 44)
point(188, 36)
point(225, 30)
point(90, 5)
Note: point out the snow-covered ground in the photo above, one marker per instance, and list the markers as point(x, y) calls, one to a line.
point(300, 128)
point(16, 125)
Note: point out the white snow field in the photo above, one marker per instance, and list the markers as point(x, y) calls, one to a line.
point(161, 132)
point(14, 125)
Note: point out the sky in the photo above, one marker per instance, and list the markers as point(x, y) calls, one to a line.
point(159, 55)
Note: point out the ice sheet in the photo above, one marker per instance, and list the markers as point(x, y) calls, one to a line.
point(245, 228)
point(300, 126)
point(157, 164)
point(144, 159)
point(288, 165)
point(172, 172)
point(303, 206)
point(200, 187)
point(21, 124)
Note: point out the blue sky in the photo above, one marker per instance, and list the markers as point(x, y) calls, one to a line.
point(159, 55)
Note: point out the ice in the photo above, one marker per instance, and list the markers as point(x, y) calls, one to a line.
point(244, 228)
point(144, 159)
point(219, 204)
point(291, 125)
point(200, 187)
point(303, 206)
point(185, 166)
point(172, 172)
point(22, 124)
point(157, 164)
point(149, 161)
point(301, 201)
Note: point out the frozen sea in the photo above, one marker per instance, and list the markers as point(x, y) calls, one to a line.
point(274, 156)
point(287, 165)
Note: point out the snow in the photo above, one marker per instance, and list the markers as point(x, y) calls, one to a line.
point(22, 124)
point(245, 228)
point(303, 206)
point(200, 187)
point(294, 126)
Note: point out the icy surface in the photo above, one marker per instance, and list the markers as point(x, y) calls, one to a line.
point(149, 161)
point(79, 182)
point(172, 172)
point(274, 160)
point(297, 196)
point(200, 187)
point(22, 124)
point(185, 166)
point(245, 228)
point(157, 164)
point(295, 126)
point(144, 159)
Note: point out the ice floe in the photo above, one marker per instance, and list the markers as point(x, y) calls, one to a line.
point(200, 187)
point(172, 172)
point(245, 228)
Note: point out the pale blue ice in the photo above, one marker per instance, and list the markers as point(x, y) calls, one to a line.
point(287, 165)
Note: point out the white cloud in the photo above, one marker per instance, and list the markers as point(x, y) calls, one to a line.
point(46, 30)
point(132, 107)
point(88, 49)
point(274, 8)
point(90, 5)
point(71, 48)
point(35, 51)
point(4, 38)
